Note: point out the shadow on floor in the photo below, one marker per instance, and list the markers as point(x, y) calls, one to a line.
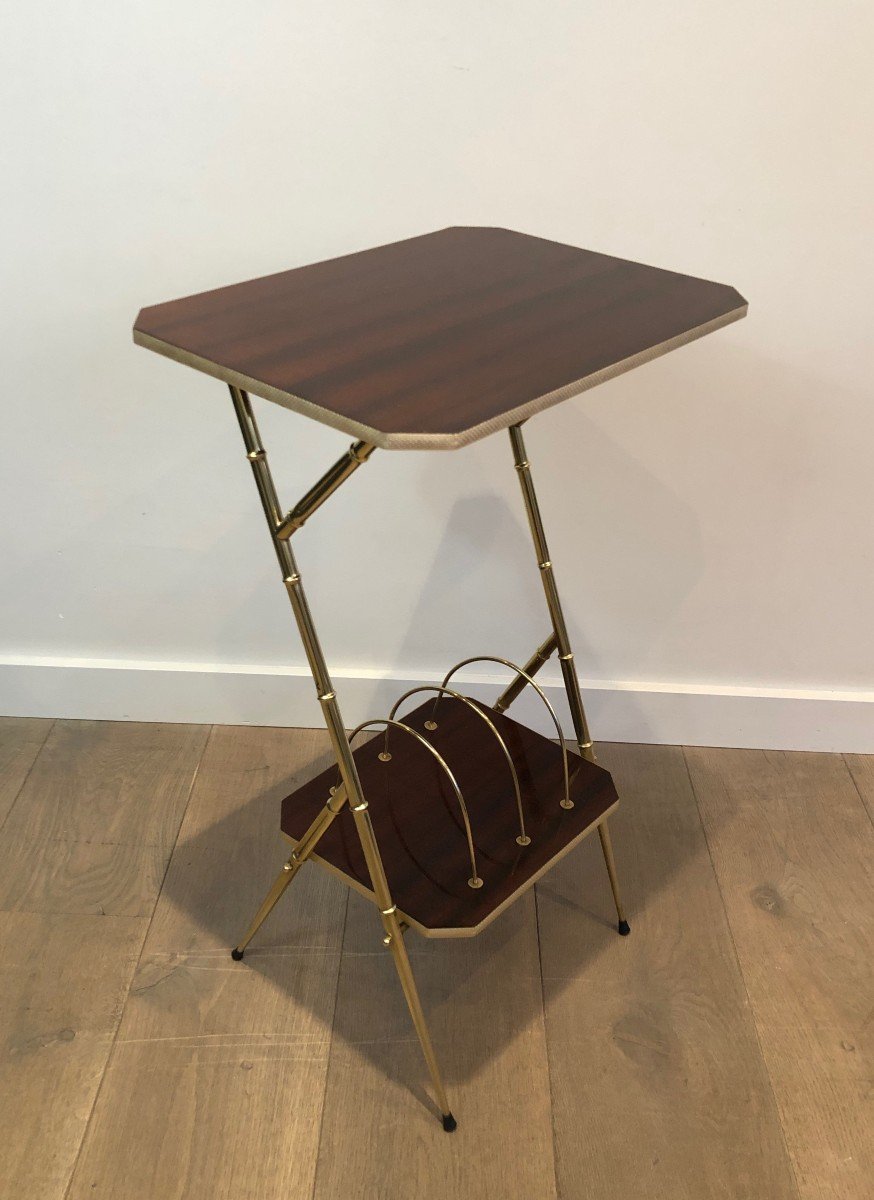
point(478, 993)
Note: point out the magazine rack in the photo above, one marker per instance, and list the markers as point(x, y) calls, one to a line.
point(452, 809)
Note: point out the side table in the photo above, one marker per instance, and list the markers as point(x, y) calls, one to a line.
point(453, 809)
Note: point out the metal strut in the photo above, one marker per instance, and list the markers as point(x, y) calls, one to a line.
point(541, 655)
point(562, 644)
point(562, 641)
point(357, 454)
point(352, 791)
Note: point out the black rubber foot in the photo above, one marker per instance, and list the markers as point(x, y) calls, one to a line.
point(624, 928)
point(236, 954)
point(449, 1123)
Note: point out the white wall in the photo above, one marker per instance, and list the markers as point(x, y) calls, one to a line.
point(710, 513)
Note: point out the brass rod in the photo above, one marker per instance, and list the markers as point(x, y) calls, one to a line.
point(272, 898)
point(607, 848)
point(389, 723)
point(565, 654)
point(357, 454)
point(566, 802)
point(395, 939)
point(294, 586)
point(340, 743)
point(523, 839)
point(300, 854)
point(535, 662)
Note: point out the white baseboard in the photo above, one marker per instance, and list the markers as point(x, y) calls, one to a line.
point(620, 711)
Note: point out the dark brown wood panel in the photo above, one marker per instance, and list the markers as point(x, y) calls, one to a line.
point(438, 339)
point(418, 821)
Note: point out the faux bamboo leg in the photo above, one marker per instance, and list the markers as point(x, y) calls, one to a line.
point(394, 939)
point(272, 898)
point(565, 654)
point(352, 789)
point(518, 685)
point(607, 846)
point(298, 857)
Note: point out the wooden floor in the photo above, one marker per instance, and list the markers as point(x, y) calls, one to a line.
point(716, 1052)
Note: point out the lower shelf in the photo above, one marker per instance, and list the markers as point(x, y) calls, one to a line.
point(419, 825)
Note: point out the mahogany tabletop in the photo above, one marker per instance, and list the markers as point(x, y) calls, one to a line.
point(435, 341)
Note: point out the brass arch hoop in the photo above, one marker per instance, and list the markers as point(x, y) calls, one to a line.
point(475, 881)
point(505, 662)
point(523, 839)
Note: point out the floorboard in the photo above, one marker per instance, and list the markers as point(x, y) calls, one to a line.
point(659, 1087)
point(63, 981)
point(717, 1052)
point(793, 850)
point(861, 768)
point(216, 1082)
point(381, 1135)
point(95, 823)
point(21, 739)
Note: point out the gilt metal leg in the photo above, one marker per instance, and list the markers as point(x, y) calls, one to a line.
point(272, 898)
point(562, 641)
point(607, 846)
point(540, 656)
point(281, 528)
point(299, 855)
point(394, 939)
point(565, 654)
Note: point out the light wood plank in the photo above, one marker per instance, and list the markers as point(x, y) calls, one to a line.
point(21, 739)
point(216, 1083)
point(794, 853)
point(93, 827)
point(861, 767)
point(230, 850)
point(62, 985)
point(659, 1088)
point(381, 1136)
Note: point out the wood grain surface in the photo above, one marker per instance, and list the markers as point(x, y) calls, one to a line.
point(794, 852)
point(861, 768)
point(63, 983)
point(380, 1133)
point(21, 739)
point(216, 1082)
point(659, 1088)
point(719, 1051)
point(437, 340)
point(95, 823)
point(419, 823)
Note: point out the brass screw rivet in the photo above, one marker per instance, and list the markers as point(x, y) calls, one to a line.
point(566, 803)
point(475, 882)
point(523, 839)
point(430, 724)
point(384, 756)
point(386, 941)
